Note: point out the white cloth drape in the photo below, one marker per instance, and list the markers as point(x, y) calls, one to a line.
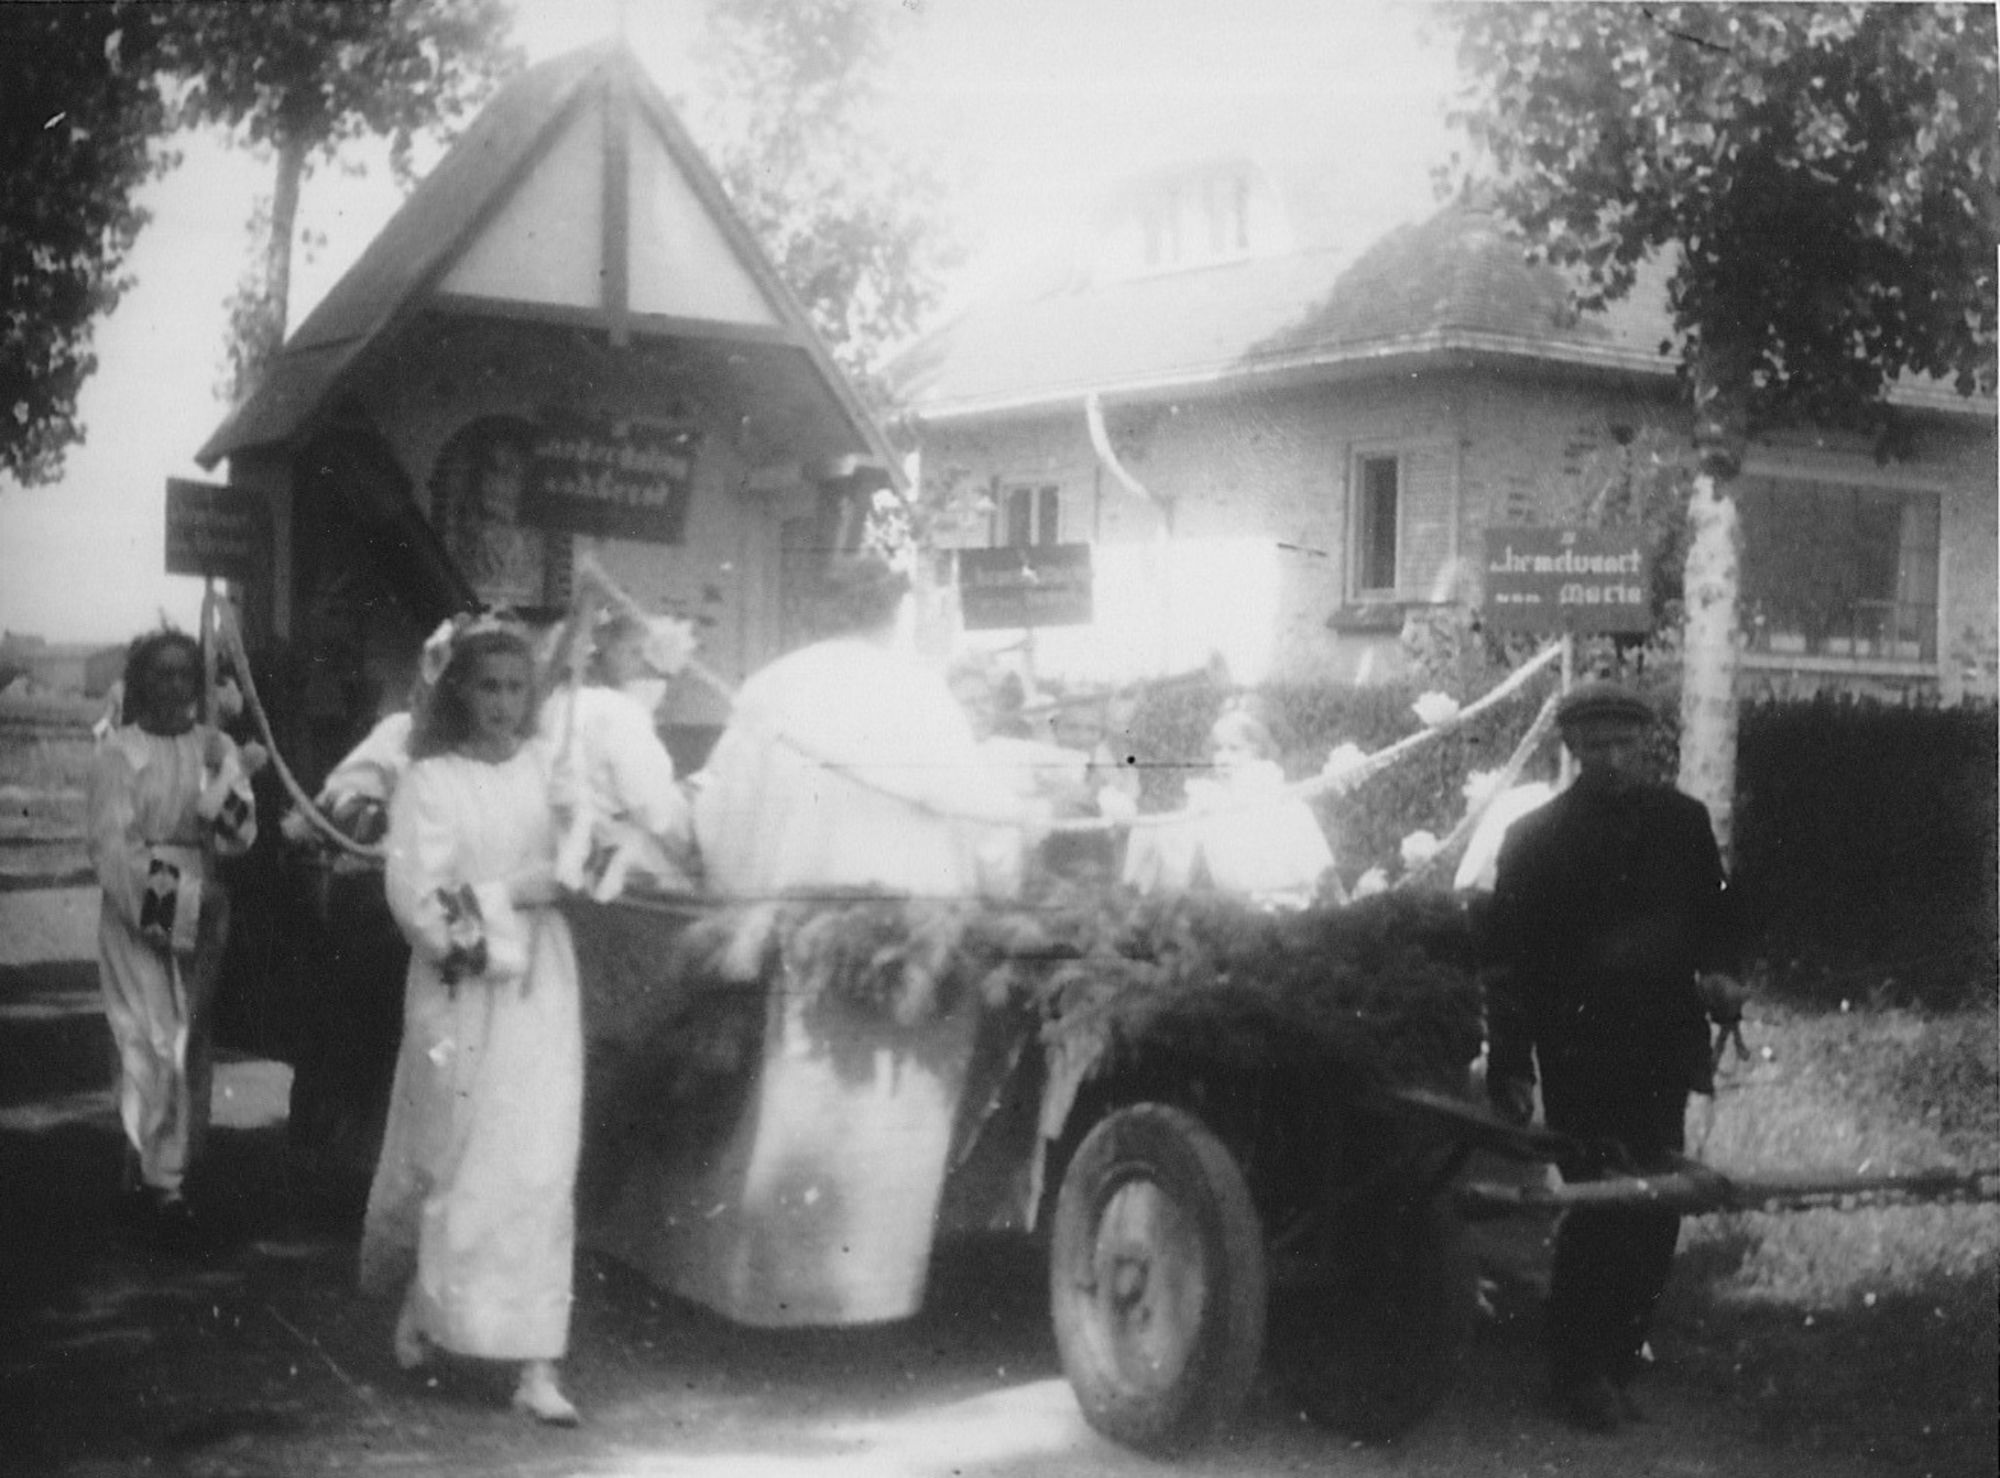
point(848, 764)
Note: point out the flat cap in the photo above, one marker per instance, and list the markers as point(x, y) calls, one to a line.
point(1602, 700)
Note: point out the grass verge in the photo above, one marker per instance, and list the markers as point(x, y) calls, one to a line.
point(1869, 1329)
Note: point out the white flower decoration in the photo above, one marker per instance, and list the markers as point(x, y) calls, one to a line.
point(1435, 708)
point(670, 644)
point(1370, 882)
point(1418, 848)
point(1482, 785)
point(1345, 757)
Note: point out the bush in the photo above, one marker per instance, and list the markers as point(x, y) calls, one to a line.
point(1866, 849)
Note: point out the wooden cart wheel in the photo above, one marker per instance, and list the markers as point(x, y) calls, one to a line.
point(1156, 1280)
point(1369, 1352)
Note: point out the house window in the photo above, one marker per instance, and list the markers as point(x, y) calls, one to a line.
point(1029, 515)
point(1839, 570)
point(1377, 510)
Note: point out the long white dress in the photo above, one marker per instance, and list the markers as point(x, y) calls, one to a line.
point(158, 815)
point(475, 1186)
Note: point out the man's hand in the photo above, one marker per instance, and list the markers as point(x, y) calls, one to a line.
point(1513, 1099)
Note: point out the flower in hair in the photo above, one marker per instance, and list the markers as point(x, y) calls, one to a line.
point(441, 643)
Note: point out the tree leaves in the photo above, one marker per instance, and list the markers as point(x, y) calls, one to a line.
point(78, 120)
point(784, 110)
point(1829, 174)
point(307, 77)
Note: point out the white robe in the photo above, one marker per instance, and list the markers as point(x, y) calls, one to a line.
point(155, 800)
point(849, 765)
point(479, 1158)
point(1254, 839)
point(371, 769)
point(627, 812)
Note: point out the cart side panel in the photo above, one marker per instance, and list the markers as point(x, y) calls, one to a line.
point(793, 1185)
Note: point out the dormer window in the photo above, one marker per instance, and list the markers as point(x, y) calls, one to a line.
point(1189, 217)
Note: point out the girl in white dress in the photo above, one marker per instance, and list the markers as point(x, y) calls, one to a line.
point(1245, 834)
point(471, 1212)
point(167, 797)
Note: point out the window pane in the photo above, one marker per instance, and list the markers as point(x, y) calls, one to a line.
point(1375, 532)
point(1048, 516)
point(1020, 524)
point(1835, 570)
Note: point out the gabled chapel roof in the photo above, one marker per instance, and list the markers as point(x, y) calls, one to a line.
point(576, 196)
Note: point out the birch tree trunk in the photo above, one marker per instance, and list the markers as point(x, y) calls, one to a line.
point(1711, 631)
point(278, 255)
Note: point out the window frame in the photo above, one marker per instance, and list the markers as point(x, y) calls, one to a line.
point(1801, 479)
point(1360, 546)
point(1045, 508)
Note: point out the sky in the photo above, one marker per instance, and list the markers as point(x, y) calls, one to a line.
point(1032, 106)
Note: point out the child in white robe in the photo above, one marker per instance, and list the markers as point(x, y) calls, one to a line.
point(627, 818)
point(1246, 835)
point(167, 796)
point(471, 1212)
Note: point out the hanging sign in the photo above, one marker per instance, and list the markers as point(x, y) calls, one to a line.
point(1564, 579)
point(626, 480)
point(1025, 585)
point(215, 531)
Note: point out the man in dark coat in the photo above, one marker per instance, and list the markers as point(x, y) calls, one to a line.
point(1612, 940)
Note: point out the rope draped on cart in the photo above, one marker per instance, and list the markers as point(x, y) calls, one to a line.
point(595, 589)
point(594, 583)
point(228, 642)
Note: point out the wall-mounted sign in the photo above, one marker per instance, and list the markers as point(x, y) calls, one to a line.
point(1562, 579)
point(617, 481)
point(1025, 585)
point(215, 531)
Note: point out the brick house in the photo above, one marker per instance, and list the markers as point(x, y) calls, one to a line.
point(1280, 450)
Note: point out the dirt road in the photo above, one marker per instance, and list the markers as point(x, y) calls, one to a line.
point(258, 1358)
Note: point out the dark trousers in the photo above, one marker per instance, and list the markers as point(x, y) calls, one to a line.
point(1611, 1264)
point(1610, 1268)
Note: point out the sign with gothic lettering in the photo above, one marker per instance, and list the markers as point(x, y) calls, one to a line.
point(1565, 579)
point(622, 480)
point(1024, 585)
point(215, 530)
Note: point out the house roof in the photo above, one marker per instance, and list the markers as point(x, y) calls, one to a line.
point(506, 193)
point(1452, 285)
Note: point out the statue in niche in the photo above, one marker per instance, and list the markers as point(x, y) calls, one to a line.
point(478, 491)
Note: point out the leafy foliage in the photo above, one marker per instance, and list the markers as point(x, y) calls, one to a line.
point(844, 213)
point(88, 91)
point(1825, 175)
point(1384, 986)
point(79, 115)
point(306, 78)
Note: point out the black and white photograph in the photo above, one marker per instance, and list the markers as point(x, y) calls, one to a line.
point(999, 738)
